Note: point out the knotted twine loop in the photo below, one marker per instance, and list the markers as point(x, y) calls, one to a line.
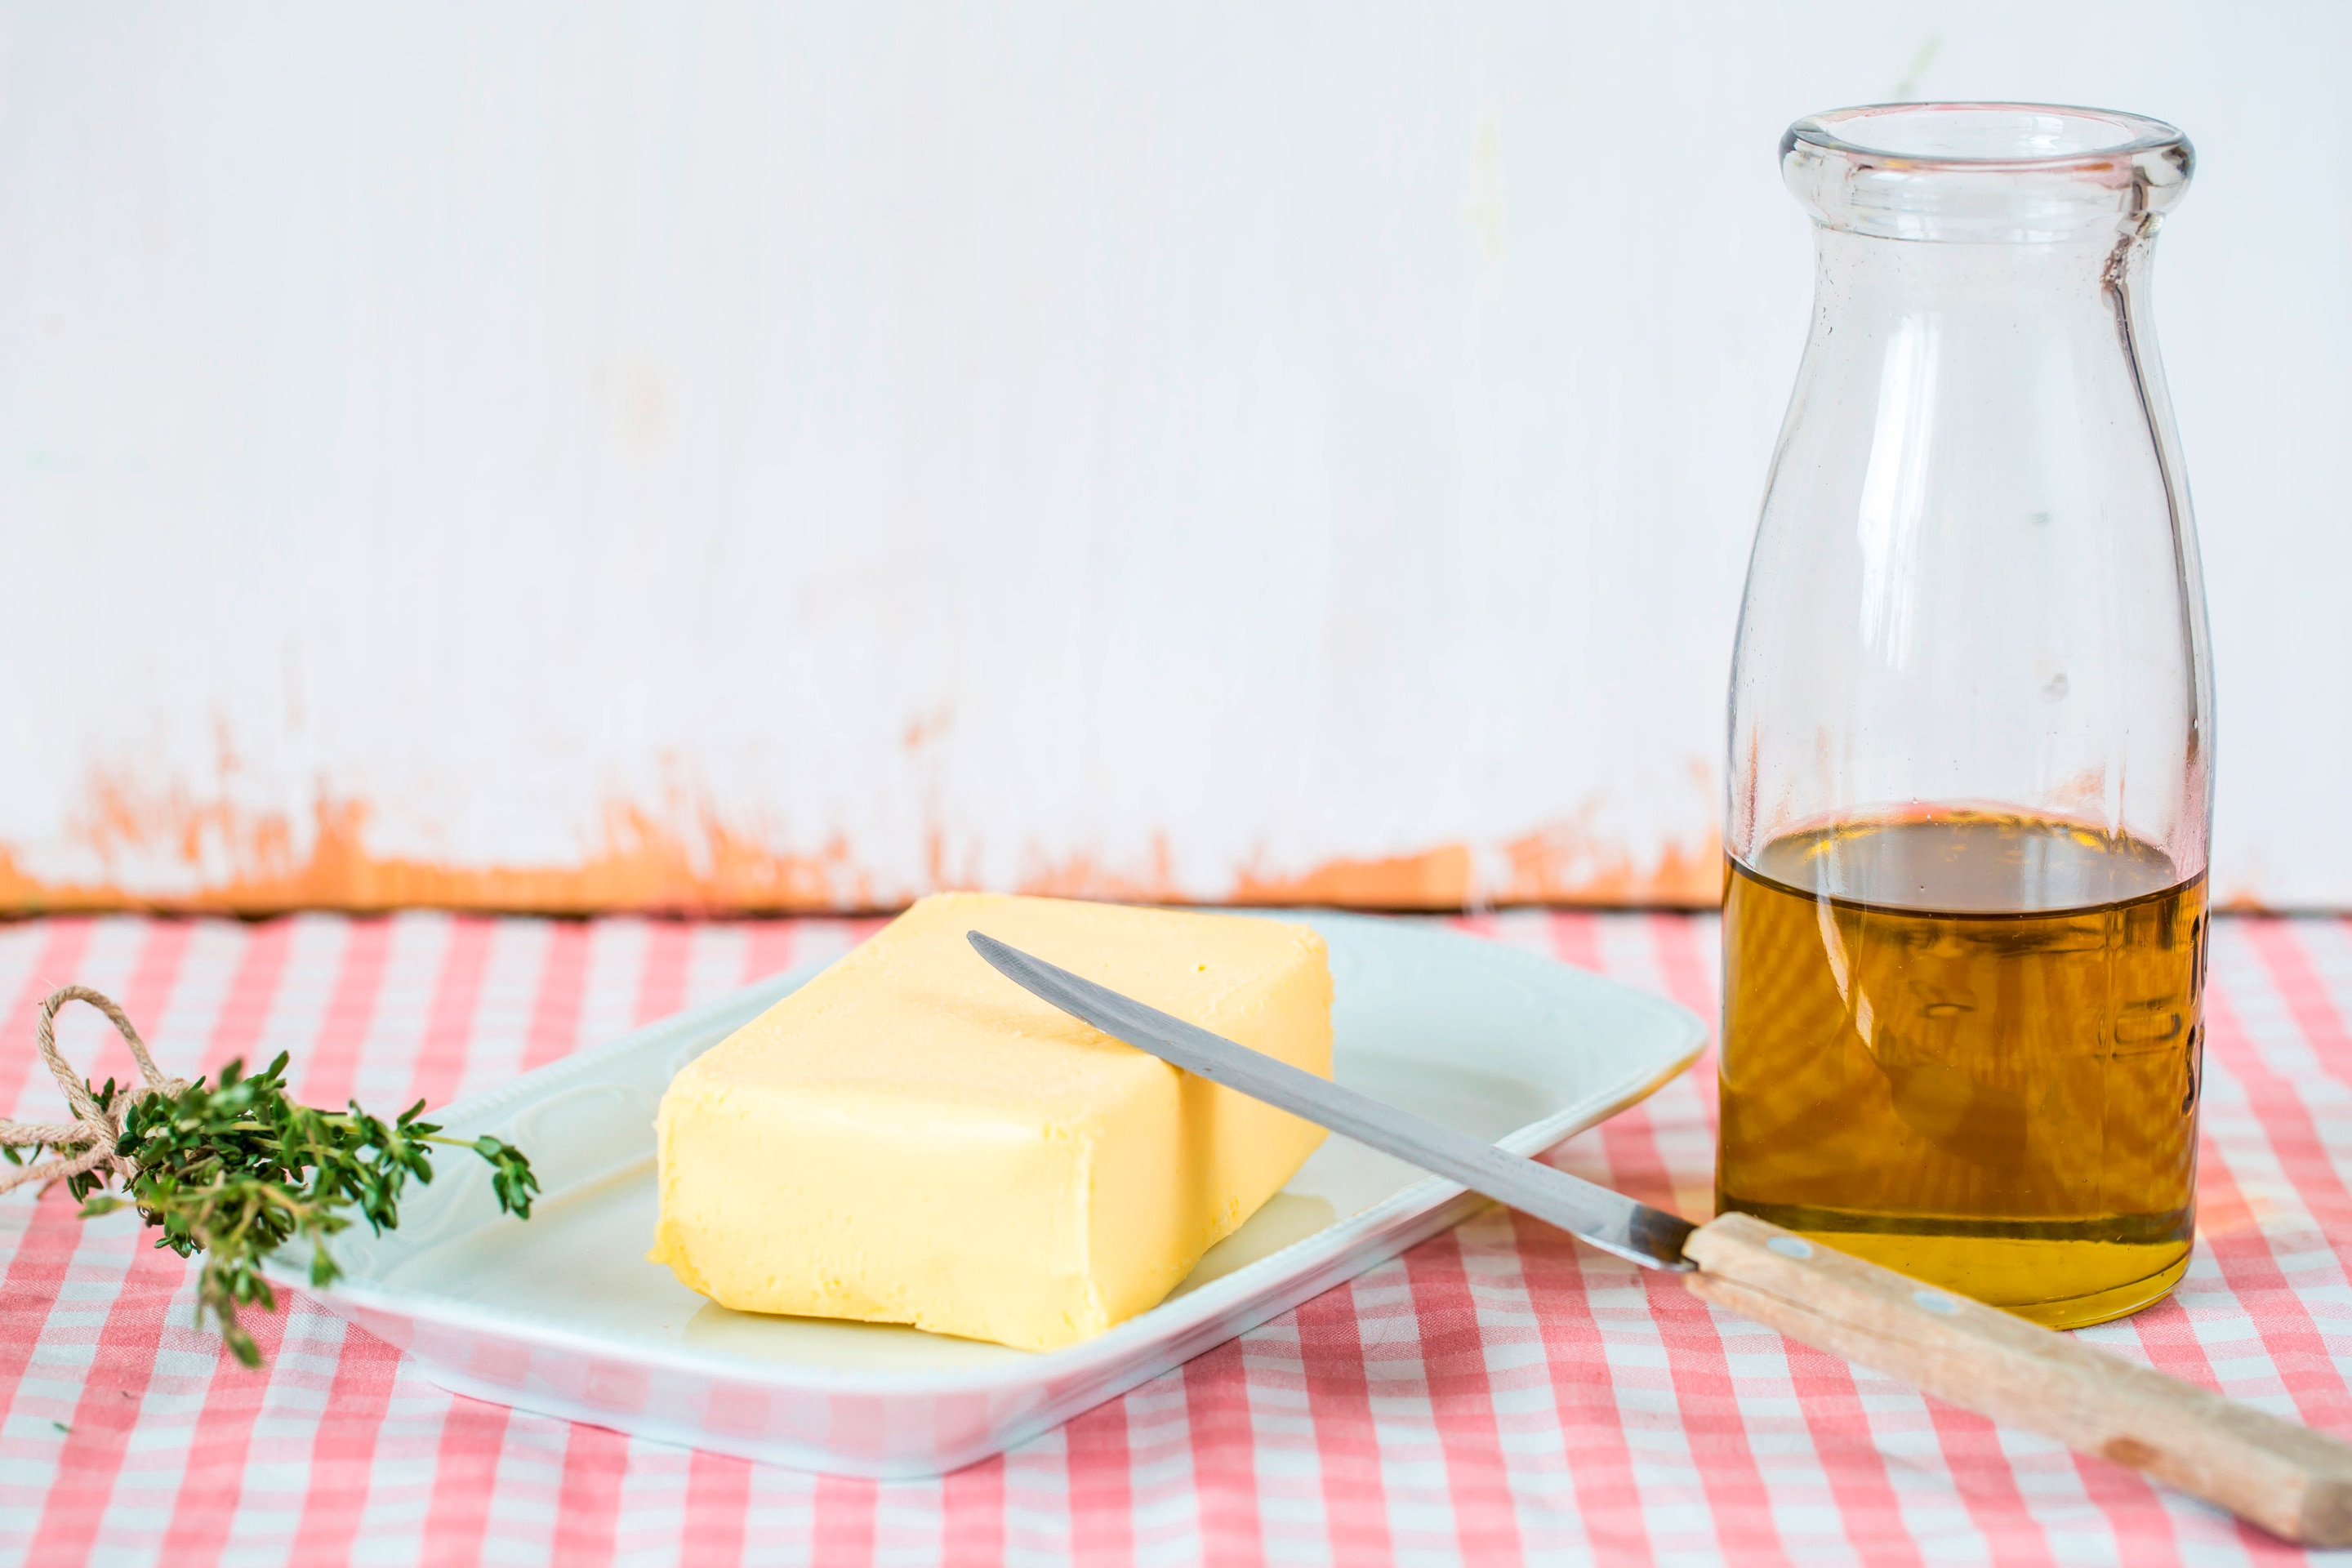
point(96, 1125)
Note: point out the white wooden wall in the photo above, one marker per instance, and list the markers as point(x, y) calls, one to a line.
point(565, 454)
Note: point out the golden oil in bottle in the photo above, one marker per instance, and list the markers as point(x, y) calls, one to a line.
point(1968, 1048)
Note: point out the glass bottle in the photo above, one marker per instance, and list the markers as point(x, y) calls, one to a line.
point(1972, 739)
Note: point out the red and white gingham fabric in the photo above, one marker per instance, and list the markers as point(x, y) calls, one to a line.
point(1498, 1394)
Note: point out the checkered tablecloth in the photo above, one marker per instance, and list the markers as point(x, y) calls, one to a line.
point(1498, 1394)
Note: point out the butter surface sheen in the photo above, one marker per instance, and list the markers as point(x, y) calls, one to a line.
point(911, 1138)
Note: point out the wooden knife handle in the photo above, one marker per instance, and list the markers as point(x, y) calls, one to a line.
point(2291, 1480)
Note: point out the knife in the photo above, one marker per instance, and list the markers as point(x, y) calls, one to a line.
point(2291, 1480)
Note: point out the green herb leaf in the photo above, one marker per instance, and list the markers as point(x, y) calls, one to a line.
point(237, 1169)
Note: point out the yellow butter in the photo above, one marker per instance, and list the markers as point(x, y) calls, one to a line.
point(911, 1138)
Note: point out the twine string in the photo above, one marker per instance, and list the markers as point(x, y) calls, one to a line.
point(87, 1141)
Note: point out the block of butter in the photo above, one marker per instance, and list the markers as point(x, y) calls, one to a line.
point(911, 1138)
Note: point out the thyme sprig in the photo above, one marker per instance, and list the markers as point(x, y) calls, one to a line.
point(237, 1169)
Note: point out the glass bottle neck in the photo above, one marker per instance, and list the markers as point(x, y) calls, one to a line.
point(1869, 270)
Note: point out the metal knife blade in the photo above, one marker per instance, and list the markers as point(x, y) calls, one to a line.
point(1610, 1221)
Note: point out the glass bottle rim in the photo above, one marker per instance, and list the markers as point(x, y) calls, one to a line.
point(1986, 173)
point(1986, 135)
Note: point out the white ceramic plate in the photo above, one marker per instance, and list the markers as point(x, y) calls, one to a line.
point(563, 1315)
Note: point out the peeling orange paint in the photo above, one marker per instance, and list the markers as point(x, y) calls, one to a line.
point(1080, 876)
point(1563, 863)
point(644, 864)
point(686, 858)
point(1438, 879)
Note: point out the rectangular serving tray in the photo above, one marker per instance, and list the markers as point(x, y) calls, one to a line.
point(562, 1315)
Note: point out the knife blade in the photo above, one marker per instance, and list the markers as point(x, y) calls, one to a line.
point(1610, 1221)
point(2290, 1479)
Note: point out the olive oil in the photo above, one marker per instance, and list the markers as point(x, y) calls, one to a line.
point(1968, 1048)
